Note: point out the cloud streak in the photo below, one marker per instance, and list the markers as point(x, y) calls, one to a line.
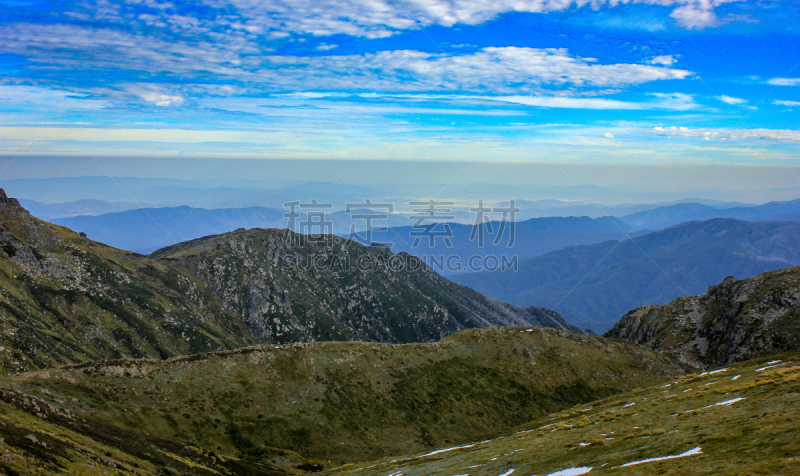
point(723, 134)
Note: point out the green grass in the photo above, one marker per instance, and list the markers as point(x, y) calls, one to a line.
point(757, 435)
point(342, 402)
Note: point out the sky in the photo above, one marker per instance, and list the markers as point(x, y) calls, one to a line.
point(647, 82)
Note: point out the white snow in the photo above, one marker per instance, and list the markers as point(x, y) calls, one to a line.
point(582, 443)
point(714, 372)
point(734, 378)
point(667, 385)
point(572, 471)
point(721, 404)
point(773, 362)
point(693, 451)
point(710, 383)
point(630, 404)
point(450, 449)
point(771, 366)
point(727, 402)
point(507, 472)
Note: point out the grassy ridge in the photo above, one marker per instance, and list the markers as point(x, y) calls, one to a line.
point(340, 402)
point(746, 425)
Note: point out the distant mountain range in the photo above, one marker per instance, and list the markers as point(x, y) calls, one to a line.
point(592, 286)
point(145, 230)
point(664, 217)
point(525, 239)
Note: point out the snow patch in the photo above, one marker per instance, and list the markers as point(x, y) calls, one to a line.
point(771, 366)
point(451, 449)
point(629, 405)
point(726, 403)
point(734, 378)
point(693, 451)
point(507, 472)
point(714, 372)
point(572, 471)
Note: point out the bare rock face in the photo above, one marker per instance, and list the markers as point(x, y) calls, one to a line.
point(733, 321)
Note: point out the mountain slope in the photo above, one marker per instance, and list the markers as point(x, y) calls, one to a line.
point(733, 421)
point(593, 285)
point(340, 402)
point(66, 299)
point(734, 321)
point(290, 288)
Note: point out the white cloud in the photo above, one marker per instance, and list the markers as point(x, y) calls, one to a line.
point(784, 81)
point(666, 60)
point(326, 47)
point(506, 70)
point(367, 18)
point(722, 134)
point(731, 100)
point(787, 103)
point(673, 101)
point(46, 98)
point(608, 135)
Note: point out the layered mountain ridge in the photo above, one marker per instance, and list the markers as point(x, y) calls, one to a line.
point(67, 299)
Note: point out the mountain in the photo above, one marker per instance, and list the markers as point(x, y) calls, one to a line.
point(314, 405)
point(526, 239)
point(67, 299)
point(145, 230)
point(664, 217)
point(592, 286)
point(733, 321)
point(292, 287)
point(738, 420)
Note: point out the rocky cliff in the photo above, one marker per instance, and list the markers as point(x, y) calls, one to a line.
point(292, 288)
point(733, 321)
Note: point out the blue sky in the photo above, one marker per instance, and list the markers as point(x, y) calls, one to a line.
point(606, 81)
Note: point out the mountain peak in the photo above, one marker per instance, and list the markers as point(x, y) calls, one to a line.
point(5, 200)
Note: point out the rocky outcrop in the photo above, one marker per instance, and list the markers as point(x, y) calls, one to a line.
point(5, 200)
point(291, 288)
point(733, 321)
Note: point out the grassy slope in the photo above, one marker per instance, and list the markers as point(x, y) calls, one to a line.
point(66, 299)
point(39, 439)
point(757, 435)
point(351, 401)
